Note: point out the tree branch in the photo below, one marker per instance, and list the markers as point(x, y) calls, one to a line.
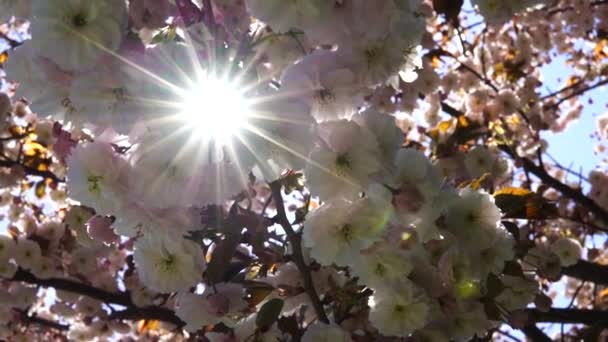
point(119, 298)
point(535, 334)
point(296, 246)
point(575, 195)
point(132, 312)
point(569, 316)
point(587, 271)
point(27, 320)
point(544, 176)
point(149, 313)
point(579, 93)
point(31, 171)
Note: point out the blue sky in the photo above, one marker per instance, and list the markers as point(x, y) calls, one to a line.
point(575, 146)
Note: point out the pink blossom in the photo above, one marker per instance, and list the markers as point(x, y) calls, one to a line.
point(150, 14)
point(64, 143)
point(100, 229)
point(189, 12)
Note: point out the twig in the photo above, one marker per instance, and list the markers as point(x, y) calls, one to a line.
point(566, 169)
point(573, 194)
point(33, 319)
point(296, 246)
point(564, 89)
point(578, 93)
point(578, 290)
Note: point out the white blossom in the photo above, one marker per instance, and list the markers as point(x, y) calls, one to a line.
point(342, 165)
point(75, 34)
point(473, 219)
point(94, 176)
point(337, 231)
point(7, 247)
point(328, 88)
point(398, 312)
point(381, 265)
point(320, 332)
point(518, 292)
point(285, 15)
point(168, 264)
point(216, 304)
point(568, 250)
point(27, 253)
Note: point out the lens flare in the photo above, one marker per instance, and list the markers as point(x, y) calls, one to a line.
point(214, 109)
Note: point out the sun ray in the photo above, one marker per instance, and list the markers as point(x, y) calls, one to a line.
point(123, 59)
point(205, 133)
point(305, 158)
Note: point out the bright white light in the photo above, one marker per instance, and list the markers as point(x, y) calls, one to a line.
point(215, 109)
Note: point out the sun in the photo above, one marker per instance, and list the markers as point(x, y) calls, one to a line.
point(214, 109)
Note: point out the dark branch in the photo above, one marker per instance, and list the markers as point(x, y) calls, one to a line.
point(31, 171)
point(27, 320)
point(119, 298)
point(535, 334)
point(132, 312)
point(588, 271)
point(296, 246)
point(569, 316)
point(149, 313)
point(573, 194)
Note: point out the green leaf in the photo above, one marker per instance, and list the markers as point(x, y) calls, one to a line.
point(269, 313)
point(158, 38)
point(166, 34)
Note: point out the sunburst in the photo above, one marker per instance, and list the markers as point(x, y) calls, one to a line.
point(218, 111)
point(215, 108)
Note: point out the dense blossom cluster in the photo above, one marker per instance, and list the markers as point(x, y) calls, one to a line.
point(154, 148)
